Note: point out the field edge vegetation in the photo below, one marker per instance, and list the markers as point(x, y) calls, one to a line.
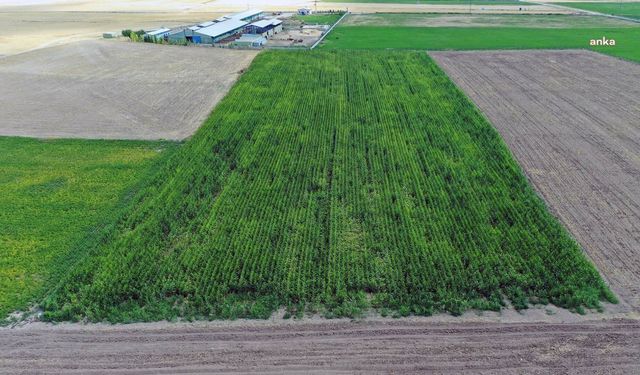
point(57, 194)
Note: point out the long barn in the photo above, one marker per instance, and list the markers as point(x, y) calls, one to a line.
point(265, 28)
point(211, 32)
point(218, 31)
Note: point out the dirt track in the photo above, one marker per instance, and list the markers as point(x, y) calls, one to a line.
point(114, 89)
point(572, 119)
point(611, 347)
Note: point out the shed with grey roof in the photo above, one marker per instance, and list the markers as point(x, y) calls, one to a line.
point(265, 28)
point(247, 15)
point(157, 34)
point(207, 24)
point(218, 31)
point(250, 40)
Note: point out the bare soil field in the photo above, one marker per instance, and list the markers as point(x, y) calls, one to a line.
point(267, 5)
point(572, 119)
point(114, 89)
point(25, 31)
point(606, 347)
point(295, 38)
point(483, 20)
point(446, 8)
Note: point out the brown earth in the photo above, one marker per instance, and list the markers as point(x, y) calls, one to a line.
point(114, 89)
point(483, 20)
point(572, 120)
point(607, 347)
point(23, 31)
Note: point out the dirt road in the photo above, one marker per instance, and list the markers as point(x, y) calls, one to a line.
point(610, 347)
point(114, 89)
point(572, 119)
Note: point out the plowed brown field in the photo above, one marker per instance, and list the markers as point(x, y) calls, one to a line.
point(572, 119)
point(609, 347)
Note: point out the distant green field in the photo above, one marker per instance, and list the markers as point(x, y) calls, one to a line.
point(319, 19)
point(631, 10)
point(478, 38)
point(52, 194)
point(452, 2)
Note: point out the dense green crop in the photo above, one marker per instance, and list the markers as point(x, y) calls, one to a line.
point(335, 180)
point(52, 193)
point(630, 9)
point(320, 19)
point(481, 38)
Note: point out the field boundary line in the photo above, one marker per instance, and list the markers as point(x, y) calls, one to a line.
point(328, 31)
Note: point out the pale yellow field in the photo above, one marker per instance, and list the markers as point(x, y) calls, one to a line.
point(31, 24)
point(22, 31)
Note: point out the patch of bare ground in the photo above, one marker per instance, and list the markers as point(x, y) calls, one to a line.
point(114, 89)
point(572, 120)
point(390, 346)
point(483, 20)
point(23, 31)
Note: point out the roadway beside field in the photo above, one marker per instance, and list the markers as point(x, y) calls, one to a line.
point(399, 346)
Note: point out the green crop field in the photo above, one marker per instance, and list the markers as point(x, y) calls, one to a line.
point(631, 10)
point(54, 195)
point(319, 19)
point(478, 38)
point(332, 181)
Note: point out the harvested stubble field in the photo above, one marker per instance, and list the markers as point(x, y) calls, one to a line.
point(114, 90)
point(402, 347)
point(28, 29)
point(572, 119)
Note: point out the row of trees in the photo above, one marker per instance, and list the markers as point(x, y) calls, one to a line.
point(135, 36)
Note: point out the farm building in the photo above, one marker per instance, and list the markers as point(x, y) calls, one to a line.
point(247, 15)
point(218, 31)
point(185, 35)
point(265, 28)
point(157, 34)
point(250, 40)
point(210, 32)
point(207, 24)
